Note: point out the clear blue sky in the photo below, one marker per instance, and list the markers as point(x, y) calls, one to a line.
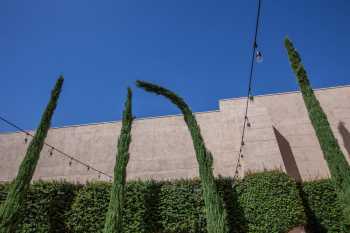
point(200, 49)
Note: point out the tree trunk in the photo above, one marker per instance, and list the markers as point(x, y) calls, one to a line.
point(10, 211)
point(215, 213)
point(338, 166)
point(113, 223)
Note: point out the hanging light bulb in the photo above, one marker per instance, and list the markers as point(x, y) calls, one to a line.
point(248, 124)
point(26, 138)
point(70, 162)
point(88, 168)
point(241, 155)
point(51, 151)
point(259, 57)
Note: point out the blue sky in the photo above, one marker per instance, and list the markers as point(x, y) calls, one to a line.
point(199, 49)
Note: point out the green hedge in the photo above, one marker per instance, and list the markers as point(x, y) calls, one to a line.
point(322, 207)
point(271, 203)
point(46, 206)
point(263, 202)
point(90, 206)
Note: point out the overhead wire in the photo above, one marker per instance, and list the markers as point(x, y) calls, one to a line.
point(250, 96)
point(60, 152)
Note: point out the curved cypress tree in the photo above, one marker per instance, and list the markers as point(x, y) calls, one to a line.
point(113, 223)
point(215, 213)
point(338, 166)
point(11, 208)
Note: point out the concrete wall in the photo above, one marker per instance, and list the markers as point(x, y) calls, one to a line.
point(280, 137)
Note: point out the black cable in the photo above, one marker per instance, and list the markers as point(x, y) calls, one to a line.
point(54, 148)
point(249, 94)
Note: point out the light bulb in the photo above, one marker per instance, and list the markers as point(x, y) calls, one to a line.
point(259, 57)
point(51, 151)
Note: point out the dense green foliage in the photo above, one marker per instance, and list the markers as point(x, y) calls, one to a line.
point(12, 207)
point(262, 202)
point(323, 208)
point(266, 197)
point(45, 208)
point(266, 202)
point(181, 207)
point(338, 166)
point(140, 212)
point(178, 206)
point(215, 213)
point(113, 222)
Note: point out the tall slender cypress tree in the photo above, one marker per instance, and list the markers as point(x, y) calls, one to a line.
point(215, 213)
point(11, 208)
point(113, 223)
point(338, 166)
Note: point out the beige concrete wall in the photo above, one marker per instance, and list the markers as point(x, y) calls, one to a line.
point(280, 137)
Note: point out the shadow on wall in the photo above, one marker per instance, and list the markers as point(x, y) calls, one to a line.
point(287, 156)
point(314, 224)
point(345, 134)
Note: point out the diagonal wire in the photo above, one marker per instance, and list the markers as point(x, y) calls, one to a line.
point(249, 92)
point(62, 153)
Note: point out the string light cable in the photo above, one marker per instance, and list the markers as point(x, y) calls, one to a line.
point(255, 57)
point(60, 152)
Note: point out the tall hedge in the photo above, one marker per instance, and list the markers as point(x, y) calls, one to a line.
point(215, 212)
point(262, 202)
point(113, 223)
point(323, 208)
point(338, 166)
point(140, 213)
point(266, 199)
point(267, 202)
point(45, 207)
point(12, 207)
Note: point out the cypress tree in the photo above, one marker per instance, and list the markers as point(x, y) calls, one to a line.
point(338, 166)
point(215, 213)
point(10, 211)
point(113, 223)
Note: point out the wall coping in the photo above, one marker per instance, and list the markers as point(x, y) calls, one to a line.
point(178, 115)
